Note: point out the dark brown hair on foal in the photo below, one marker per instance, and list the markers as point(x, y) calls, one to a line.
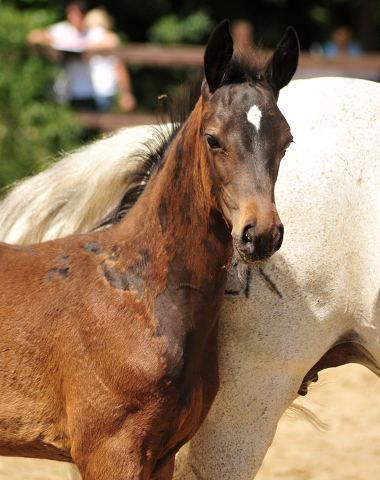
point(108, 341)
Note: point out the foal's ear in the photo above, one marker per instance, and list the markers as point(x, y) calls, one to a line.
point(283, 63)
point(219, 50)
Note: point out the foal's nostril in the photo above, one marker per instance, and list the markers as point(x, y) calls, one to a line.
point(248, 233)
point(279, 237)
point(262, 244)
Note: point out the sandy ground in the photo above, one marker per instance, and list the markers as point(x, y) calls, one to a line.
point(347, 399)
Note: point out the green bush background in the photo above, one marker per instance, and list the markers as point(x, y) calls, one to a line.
point(33, 128)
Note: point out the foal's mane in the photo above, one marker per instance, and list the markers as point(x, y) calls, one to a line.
point(246, 66)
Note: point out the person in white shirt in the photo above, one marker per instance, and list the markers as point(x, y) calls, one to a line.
point(91, 83)
point(108, 72)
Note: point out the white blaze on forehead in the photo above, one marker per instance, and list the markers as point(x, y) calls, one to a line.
point(254, 116)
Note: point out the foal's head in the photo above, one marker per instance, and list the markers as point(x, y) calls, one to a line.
point(246, 136)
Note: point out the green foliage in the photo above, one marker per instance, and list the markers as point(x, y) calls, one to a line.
point(150, 83)
point(173, 29)
point(320, 15)
point(33, 128)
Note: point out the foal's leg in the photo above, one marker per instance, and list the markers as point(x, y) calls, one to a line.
point(116, 458)
point(167, 472)
point(124, 463)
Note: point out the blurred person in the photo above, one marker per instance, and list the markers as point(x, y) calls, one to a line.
point(91, 83)
point(242, 33)
point(108, 72)
point(342, 43)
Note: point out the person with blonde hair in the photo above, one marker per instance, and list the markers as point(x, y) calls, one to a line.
point(106, 70)
point(90, 83)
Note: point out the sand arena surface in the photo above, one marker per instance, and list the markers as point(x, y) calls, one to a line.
point(347, 399)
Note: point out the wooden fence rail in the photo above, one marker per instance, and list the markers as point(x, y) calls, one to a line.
point(191, 56)
point(366, 66)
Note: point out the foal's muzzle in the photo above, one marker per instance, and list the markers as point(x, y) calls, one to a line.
point(255, 245)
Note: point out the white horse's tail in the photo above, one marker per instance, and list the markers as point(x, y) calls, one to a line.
point(73, 194)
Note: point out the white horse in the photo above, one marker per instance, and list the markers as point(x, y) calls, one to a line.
point(315, 304)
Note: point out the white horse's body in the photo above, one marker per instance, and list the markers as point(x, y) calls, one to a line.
point(320, 290)
point(327, 273)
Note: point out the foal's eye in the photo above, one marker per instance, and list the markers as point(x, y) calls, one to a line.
point(213, 143)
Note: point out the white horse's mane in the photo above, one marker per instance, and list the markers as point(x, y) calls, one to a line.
point(53, 204)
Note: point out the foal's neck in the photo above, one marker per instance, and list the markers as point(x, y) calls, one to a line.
point(178, 203)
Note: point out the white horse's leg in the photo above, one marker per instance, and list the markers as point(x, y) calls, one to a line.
point(249, 428)
point(264, 355)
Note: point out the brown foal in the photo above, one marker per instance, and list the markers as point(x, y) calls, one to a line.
point(108, 341)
